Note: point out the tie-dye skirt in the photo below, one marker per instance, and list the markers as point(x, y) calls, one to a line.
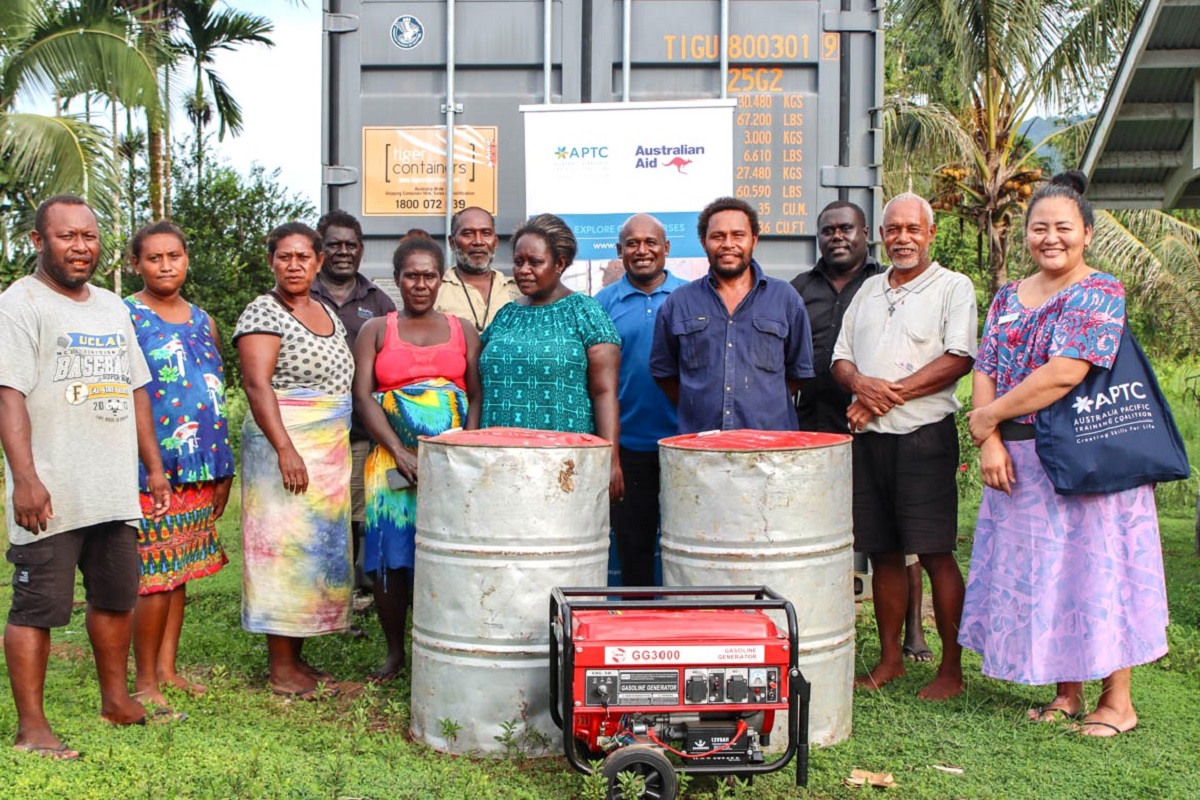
point(1064, 588)
point(297, 577)
point(422, 409)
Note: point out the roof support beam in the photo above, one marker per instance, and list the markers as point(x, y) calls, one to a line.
point(1140, 159)
point(1169, 59)
point(1155, 112)
point(1114, 195)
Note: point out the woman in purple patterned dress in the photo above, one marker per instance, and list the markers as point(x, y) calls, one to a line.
point(1062, 589)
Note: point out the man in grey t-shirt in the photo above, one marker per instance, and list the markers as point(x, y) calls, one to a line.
point(74, 419)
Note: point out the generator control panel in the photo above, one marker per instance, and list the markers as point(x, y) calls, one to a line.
point(699, 686)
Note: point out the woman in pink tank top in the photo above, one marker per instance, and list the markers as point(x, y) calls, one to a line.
point(416, 373)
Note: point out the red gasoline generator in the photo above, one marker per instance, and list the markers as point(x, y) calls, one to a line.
point(698, 673)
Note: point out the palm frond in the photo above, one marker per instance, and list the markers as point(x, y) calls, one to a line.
point(67, 51)
point(60, 154)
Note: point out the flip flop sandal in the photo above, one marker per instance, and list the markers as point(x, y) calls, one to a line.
point(161, 715)
point(60, 753)
point(310, 695)
point(1059, 714)
point(1115, 730)
point(924, 655)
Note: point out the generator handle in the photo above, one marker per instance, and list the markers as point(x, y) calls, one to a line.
point(556, 713)
point(798, 711)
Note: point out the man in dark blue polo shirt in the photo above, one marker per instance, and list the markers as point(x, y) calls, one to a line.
point(647, 415)
point(731, 348)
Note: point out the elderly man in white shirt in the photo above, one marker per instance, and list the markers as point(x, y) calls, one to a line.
point(907, 338)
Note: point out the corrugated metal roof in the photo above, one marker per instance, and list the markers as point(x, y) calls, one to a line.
point(1144, 151)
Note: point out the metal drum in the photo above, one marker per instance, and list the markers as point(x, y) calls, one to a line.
point(503, 516)
point(774, 508)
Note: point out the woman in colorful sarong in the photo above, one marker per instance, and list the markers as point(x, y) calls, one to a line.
point(1062, 589)
point(550, 359)
point(297, 577)
point(416, 374)
point(187, 396)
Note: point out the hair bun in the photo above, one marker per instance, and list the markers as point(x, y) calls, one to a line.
point(1073, 179)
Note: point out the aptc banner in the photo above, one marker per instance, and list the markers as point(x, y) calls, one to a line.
point(596, 164)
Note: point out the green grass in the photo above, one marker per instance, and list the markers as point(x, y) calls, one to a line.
point(242, 742)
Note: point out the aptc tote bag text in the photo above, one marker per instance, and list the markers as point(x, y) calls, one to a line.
point(1113, 431)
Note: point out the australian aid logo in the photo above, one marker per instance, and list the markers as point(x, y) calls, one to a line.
point(1121, 408)
point(675, 158)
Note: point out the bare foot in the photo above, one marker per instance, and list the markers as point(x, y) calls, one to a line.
point(876, 678)
point(124, 712)
point(183, 684)
point(944, 687)
point(1104, 723)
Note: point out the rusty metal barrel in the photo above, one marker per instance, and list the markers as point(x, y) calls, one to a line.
point(503, 516)
point(759, 507)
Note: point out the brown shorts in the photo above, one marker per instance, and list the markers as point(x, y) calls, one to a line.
point(44, 573)
point(358, 496)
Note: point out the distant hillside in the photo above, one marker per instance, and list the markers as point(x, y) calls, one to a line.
point(1038, 128)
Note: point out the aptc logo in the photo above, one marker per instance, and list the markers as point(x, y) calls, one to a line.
point(617, 655)
point(566, 153)
point(407, 32)
point(1122, 391)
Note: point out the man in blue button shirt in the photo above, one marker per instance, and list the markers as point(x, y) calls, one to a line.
point(731, 348)
point(647, 415)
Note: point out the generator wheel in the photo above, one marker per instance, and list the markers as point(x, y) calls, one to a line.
point(644, 760)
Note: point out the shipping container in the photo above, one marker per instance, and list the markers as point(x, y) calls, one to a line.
point(806, 75)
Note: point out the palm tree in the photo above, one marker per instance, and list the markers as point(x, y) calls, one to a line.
point(64, 50)
point(1156, 255)
point(202, 33)
point(1006, 57)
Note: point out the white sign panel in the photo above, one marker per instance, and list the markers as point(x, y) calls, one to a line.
point(685, 654)
point(596, 164)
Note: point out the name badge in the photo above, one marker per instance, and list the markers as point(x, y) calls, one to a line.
point(1008, 318)
point(365, 313)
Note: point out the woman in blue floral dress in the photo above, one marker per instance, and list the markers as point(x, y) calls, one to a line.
point(187, 396)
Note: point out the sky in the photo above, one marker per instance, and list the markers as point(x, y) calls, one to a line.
point(279, 90)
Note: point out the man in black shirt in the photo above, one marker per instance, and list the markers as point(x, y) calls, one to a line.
point(821, 404)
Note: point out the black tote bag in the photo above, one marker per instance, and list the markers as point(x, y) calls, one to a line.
point(1113, 431)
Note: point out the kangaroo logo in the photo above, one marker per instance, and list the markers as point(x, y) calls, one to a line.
point(678, 162)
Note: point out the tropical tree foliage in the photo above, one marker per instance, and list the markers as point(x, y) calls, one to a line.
point(1157, 256)
point(227, 216)
point(63, 50)
point(1002, 59)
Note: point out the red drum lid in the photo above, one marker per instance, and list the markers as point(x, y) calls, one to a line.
point(516, 437)
point(750, 440)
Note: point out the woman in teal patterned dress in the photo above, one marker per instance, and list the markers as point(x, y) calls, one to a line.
point(187, 395)
point(550, 359)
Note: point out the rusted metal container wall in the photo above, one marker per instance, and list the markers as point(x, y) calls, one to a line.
point(501, 519)
point(498, 65)
point(753, 507)
point(807, 75)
